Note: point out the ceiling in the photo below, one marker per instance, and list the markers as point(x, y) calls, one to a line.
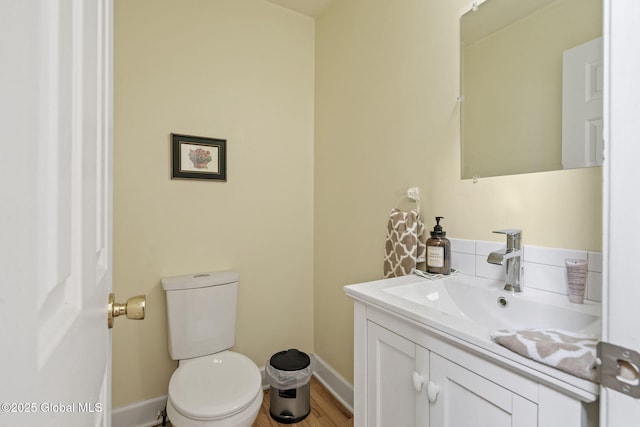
point(311, 8)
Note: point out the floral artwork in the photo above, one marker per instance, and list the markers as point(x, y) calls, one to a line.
point(200, 158)
point(196, 157)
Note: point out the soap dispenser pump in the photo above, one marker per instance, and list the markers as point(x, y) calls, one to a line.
point(438, 250)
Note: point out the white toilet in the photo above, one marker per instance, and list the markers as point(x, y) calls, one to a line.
point(212, 387)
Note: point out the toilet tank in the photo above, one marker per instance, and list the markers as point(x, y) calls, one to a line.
point(201, 313)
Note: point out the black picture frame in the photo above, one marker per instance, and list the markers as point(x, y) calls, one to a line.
point(197, 157)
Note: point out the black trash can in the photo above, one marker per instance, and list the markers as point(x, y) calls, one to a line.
point(288, 374)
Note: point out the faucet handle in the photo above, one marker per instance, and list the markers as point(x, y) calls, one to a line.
point(509, 231)
point(513, 237)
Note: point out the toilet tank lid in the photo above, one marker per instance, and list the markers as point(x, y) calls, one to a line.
point(199, 280)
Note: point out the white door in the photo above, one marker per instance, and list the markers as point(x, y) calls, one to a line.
point(582, 97)
point(621, 242)
point(55, 220)
point(397, 371)
point(464, 398)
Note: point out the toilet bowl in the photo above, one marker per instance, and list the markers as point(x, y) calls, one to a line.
point(213, 386)
point(218, 390)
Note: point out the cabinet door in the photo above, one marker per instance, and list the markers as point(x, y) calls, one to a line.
point(397, 373)
point(461, 398)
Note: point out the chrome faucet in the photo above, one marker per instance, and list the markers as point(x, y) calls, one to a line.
point(513, 257)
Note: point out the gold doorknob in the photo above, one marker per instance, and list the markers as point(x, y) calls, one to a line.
point(133, 308)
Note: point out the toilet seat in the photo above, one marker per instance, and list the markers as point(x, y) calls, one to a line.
point(215, 386)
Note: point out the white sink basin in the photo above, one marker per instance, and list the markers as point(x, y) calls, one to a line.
point(463, 311)
point(492, 307)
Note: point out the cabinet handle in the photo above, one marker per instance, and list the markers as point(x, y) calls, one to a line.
point(418, 381)
point(432, 392)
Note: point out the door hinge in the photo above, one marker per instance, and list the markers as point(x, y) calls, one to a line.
point(619, 369)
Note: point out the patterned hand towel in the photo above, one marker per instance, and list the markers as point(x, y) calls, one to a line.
point(405, 245)
point(572, 353)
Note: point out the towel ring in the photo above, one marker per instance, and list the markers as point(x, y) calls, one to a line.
point(413, 195)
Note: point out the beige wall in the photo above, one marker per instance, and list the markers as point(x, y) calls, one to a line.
point(387, 79)
point(242, 70)
point(301, 215)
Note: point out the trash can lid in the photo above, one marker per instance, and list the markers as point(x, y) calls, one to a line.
point(290, 360)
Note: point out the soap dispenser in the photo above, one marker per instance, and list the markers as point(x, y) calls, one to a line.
point(438, 250)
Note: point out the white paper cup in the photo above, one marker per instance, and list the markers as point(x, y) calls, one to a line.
point(576, 279)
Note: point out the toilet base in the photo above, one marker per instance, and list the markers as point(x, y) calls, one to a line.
point(242, 419)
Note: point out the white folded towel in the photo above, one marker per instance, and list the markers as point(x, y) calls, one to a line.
point(570, 352)
point(405, 245)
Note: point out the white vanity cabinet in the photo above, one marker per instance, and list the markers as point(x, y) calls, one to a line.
point(408, 375)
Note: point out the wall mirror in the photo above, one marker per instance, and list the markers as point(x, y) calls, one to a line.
point(517, 113)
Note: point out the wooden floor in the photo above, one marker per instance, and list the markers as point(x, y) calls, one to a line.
point(326, 411)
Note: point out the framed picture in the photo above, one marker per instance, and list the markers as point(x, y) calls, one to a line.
point(195, 157)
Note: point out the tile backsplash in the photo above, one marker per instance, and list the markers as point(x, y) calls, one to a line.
point(544, 268)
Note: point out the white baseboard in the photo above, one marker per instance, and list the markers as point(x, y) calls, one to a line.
point(340, 388)
point(145, 413)
point(139, 414)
